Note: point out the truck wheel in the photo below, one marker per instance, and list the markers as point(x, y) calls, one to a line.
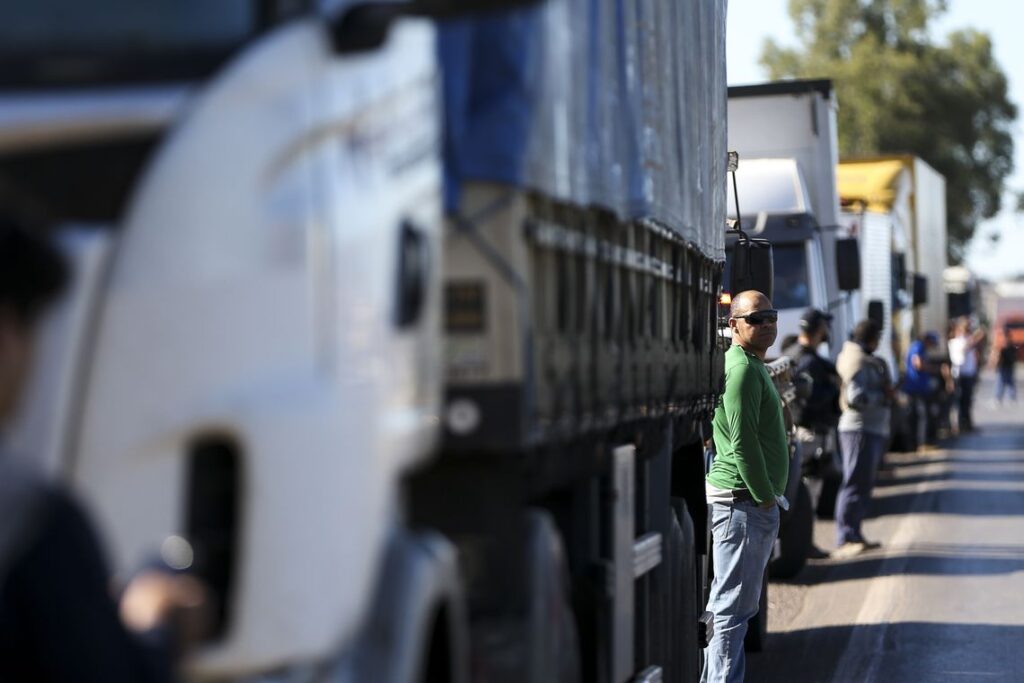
point(795, 537)
point(757, 627)
point(826, 508)
point(553, 652)
point(688, 596)
point(440, 665)
point(537, 642)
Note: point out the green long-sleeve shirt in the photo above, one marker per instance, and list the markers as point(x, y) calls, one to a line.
point(750, 435)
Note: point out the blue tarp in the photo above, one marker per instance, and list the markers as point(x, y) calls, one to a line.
point(619, 104)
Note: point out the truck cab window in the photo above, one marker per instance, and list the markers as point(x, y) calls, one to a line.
point(792, 280)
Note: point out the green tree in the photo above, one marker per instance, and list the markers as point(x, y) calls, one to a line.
point(901, 91)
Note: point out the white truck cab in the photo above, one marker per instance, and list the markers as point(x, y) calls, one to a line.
point(776, 207)
point(251, 252)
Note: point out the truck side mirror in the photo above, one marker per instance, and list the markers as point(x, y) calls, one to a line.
point(920, 290)
point(848, 264)
point(876, 313)
point(752, 267)
point(899, 271)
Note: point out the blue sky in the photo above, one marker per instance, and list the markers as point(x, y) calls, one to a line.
point(751, 21)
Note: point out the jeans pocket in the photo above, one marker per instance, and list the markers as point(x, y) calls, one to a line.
point(721, 521)
point(764, 518)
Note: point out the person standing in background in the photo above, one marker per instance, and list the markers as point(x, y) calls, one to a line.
point(920, 384)
point(1006, 364)
point(866, 395)
point(821, 414)
point(964, 349)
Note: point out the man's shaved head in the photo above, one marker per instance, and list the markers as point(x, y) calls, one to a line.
point(756, 337)
point(748, 301)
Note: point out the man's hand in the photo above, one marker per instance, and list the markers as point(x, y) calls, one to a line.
point(156, 598)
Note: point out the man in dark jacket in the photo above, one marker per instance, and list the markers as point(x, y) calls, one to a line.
point(821, 412)
point(58, 619)
point(1006, 362)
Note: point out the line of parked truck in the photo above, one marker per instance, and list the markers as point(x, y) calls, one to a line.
point(858, 238)
point(404, 319)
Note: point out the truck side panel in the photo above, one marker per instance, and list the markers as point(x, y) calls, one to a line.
point(929, 205)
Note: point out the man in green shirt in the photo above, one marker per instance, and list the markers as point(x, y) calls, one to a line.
point(745, 484)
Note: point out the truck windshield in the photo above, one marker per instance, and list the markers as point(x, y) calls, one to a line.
point(792, 283)
point(55, 42)
point(769, 186)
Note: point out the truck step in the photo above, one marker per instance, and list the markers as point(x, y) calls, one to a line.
point(651, 674)
point(705, 629)
point(646, 553)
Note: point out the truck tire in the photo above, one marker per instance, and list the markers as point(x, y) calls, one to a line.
point(440, 666)
point(553, 652)
point(688, 597)
point(538, 641)
point(757, 627)
point(795, 537)
point(826, 507)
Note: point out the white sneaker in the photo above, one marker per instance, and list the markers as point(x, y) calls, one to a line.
point(849, 550)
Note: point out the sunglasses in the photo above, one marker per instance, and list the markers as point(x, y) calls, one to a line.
point(769, 315)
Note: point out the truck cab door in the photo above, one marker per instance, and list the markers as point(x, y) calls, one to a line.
point(248, 345)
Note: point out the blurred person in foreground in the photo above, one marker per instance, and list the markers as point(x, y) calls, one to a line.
point(965, 360)
point(922, 384)
point(867, 393)
point(1005, 362)
point(745, 484)
point(58, 618)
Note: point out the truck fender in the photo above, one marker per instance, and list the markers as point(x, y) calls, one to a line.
point(418, 606)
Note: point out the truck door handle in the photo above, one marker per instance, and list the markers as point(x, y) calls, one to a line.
point(413, 269)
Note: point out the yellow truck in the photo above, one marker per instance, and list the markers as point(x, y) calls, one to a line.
point(896, 207)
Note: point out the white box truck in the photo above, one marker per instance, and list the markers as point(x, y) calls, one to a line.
point(785, 133)
point(909, 195)
point(396, 447)
point(876, 209)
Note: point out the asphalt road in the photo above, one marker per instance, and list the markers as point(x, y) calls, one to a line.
point(943, 599)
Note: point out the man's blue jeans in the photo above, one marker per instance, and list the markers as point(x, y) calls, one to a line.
point(743, 535)
point(1005, 383)
point(862, 454)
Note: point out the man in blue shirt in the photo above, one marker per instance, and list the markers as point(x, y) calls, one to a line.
point(920, 384)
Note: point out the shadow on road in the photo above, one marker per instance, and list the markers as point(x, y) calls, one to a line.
point(994, 474)
point(907, 462)
point(992, 437)
point(934, 559)
point(910, 652)
point(971, 502)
